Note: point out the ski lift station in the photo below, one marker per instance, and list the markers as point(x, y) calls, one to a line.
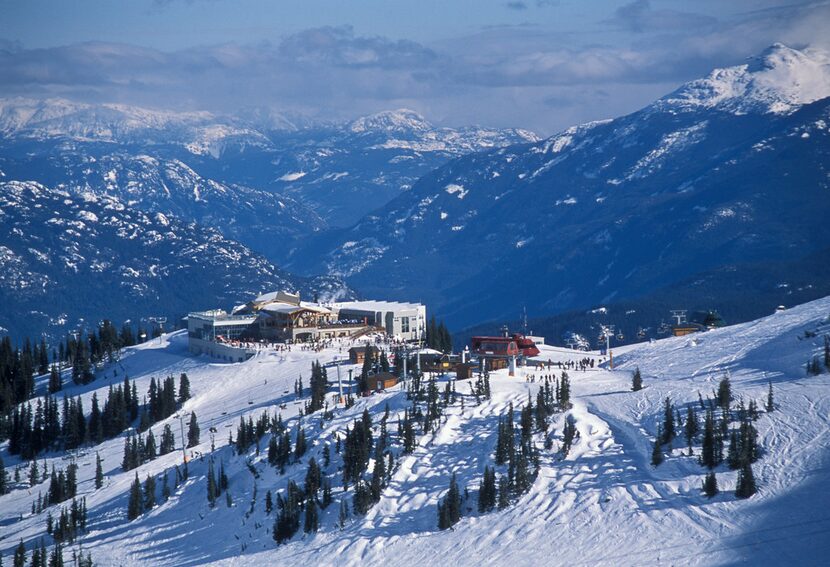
point(281, 317)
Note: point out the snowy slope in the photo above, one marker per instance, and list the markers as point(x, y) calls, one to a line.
point(603, 504)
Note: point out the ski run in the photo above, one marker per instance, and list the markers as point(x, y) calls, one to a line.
point(602, 503)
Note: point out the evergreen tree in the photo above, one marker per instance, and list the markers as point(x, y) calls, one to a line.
point(449, 510)
point(770, 407)
point(709, 450)
point(637, 381)
point(657, 450)
point(223, 478)
point(378, 476)
point(565, 391)
point(135, 503)
point(184, 388)
point(56, 557)
point(288, 520)
point(55, 383)
point(149, 447)
point(193, 431)
point(300, 445)
point(312, 517)
point(269, 503)
point(691, 428)
point(165, 488)
point(327, 498)
point(343, 515)
point(168, 440)
point(319, 385)
point(568, 434)
point(99, 472)
point(746, 482)
point(668, 421)
point(149, 492)
point(368, 363)
point(710, 485)
point(20, 555)
point(504, 493)
point(724, 393)
point(487, 491)
point(212, 489)
point(4, 479)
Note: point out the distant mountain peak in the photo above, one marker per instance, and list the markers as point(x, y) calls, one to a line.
point(400, 120)
point(779, 80)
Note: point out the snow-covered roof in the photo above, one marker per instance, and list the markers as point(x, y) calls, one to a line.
point(279, 295)
point(218, 315)
point(372, 305)
point(280, 307)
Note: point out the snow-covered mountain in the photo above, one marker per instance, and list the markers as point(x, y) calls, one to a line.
point(340, 170)
point(68, 257)
point(780, 80)
point(600, 503)
point(199, 132)
point(725, 172)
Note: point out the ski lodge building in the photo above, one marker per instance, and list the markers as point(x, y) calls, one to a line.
point(280, 316)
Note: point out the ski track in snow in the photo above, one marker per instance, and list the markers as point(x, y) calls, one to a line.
point(603, 504)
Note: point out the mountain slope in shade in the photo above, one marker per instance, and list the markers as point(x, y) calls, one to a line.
point(609, 210)
point(68, 258)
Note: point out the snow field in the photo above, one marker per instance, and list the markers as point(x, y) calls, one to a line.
point(603, 504)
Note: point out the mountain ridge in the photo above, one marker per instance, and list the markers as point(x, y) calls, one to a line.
point(708, 185)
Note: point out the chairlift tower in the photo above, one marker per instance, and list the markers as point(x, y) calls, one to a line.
point(679, 315)
point(160, 321)
point(608, 331)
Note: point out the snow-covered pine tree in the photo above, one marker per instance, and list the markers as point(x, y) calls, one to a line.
point(770, 406)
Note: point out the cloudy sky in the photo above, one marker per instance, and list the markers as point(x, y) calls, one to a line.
point(537, 64)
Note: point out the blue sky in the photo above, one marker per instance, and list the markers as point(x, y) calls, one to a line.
point(538, 64)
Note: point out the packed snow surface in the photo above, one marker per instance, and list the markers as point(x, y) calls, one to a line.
point(603, 504)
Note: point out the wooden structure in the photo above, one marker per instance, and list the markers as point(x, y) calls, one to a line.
point(357, 354)
point(684, 329)
point(438, 362)
point(381, 381)
point(465, 370)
